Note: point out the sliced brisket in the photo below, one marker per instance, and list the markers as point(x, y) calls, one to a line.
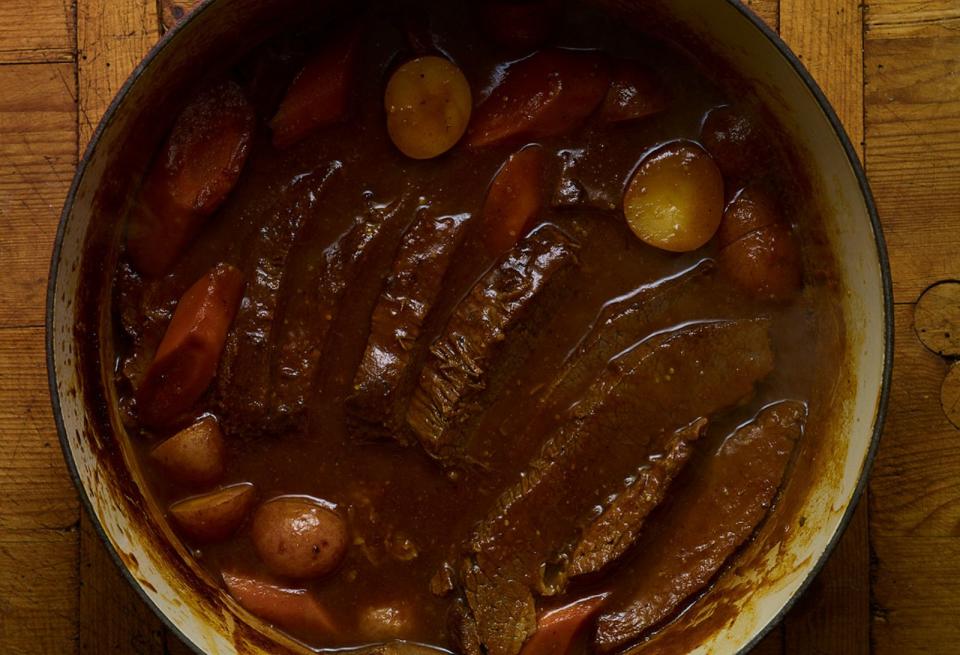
point(705, 525)
point(386, 375)
point(460, 359)
point(627, 416)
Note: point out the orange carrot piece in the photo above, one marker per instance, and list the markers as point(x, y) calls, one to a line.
point(520, 24)
point(320, 93)
point(635, 92)
point(543, 95)
point(191, 177)
point(556, 628)
point(186, 360)
point(513, 200)
point(293, 609)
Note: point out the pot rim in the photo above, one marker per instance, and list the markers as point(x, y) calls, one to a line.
point(799, 69)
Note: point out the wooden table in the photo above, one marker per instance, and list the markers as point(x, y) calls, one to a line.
point(892, 70)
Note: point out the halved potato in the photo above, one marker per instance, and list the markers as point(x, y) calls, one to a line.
point(195, 455)
point(635, 92)
point(428, 103)
point(674, 200)
point(216, 515)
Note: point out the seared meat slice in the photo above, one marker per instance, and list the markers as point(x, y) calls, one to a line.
point(460, 359)
point(306, 319)
point(705, 525)
point(243, 381)
point(385, 377)
point(628, 416)
point(618, 327)
point(608, 536)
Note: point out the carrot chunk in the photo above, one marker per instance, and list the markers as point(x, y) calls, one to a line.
point(320, 93)
point(543, 95)
point(294, 609)
point(513, 200)
point(191, 177)
point(557, 628)
point(186, 360)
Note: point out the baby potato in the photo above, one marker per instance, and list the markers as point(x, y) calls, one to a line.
point(735, 143)
point(635, 92)
point(751, 209)
point(383, 622)
point(195, 455)
point(428, 105)
point(299, 537)
point(216, 515)
point(674, 200)
point(765, 262)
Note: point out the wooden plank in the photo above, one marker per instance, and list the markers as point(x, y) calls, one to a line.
point(38, 598)
point(112, 37)
point(887, 19)
point(38, 153)
point(913, 154)
point(915, 486)
point(768, 10)
point(915, 595)
point(834, 614)
point(38, 508)
point(36, 31)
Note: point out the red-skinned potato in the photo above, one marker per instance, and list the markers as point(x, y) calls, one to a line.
point(320, 93)
point(519, 24)
point(546, 94)
point(428, 104)
point(765, 262)
point(292, 609)
point(215, 515)
point(299, 537)
point(513, 200)
point(635, 92)
point(751, 209)
point(556, 628)
point(735, 143)
point(195, 455)
point(187, 357)
point(384, 622)
point(194, 172)
point(674, 201)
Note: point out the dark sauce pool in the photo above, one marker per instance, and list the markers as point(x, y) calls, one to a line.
point(407, 515)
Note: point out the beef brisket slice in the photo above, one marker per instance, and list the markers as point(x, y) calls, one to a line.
point(243, 381)
point(460, 359)
point(385, 375)
point(709, 521)
point(628, 415)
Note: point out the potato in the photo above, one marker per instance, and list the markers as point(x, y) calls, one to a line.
point(428, 103)
point(751, 209)
point(186, 359)
point(195, 455)
point(383, 622)
point(674, 200)
point(298, 537)
point(216, 515)
point(513, 199)
point(293, 609)
point(635, 92)
point(735, 143)
point(765, 262)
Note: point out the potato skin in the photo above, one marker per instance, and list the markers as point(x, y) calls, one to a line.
point(751, 209)
point(383, 622)
point(765, 262)
point(215, 515)
point(195, 455)
point(298, 537)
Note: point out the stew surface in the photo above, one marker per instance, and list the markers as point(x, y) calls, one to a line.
point(493, 329)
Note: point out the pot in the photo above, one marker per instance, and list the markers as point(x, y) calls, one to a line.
point(745, 602)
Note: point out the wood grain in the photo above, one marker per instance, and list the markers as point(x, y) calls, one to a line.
point(38, 152)
point(38, 508)
point(950, 395)
point(885, 19)
point(112, 37)
point(768, 10)
point(36, 31)
point(936, 318)
point(912, 88)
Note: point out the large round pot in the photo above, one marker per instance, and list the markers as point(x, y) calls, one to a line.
point(745, 603)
